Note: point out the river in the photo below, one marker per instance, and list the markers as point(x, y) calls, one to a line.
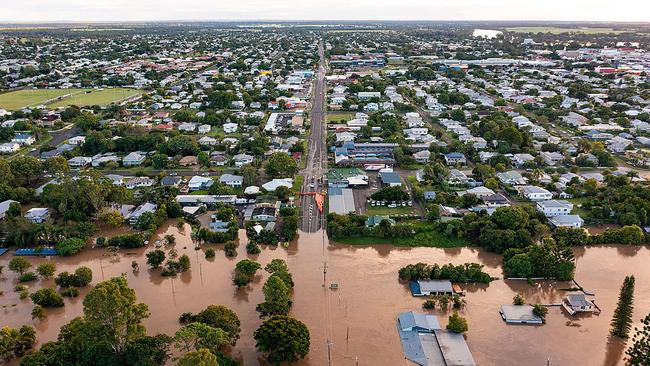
point(359, 318)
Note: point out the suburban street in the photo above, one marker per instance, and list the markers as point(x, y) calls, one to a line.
point(311, 218)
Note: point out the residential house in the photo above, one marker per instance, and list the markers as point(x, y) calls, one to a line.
point(234, 181)
point(9, 147)
point(188, 161)
point(454, 158)
point(577, 303)
point(242, 159)
point(4, 207)
point(551, 158)
point(511, 178)
point(79, 161)
point(552, 208)
point(519, 314)
point(38, 215)
point(133, 217)
point(496, 200)
point(23, 139)
point(187, 126)
point(133, 159)
point(422, 156)
point(535, 193)
point(197, 183)
point(203, 129)
point(207, 141)
point(572, 221)
point(139, 182)
point(170, 181)
point(230, 127)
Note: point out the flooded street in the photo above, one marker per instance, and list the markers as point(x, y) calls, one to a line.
point(359, 318)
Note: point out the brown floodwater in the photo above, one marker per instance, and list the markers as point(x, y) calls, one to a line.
point(356, 323)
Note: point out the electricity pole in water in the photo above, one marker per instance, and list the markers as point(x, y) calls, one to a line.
point(324, 274)
point(329, 353)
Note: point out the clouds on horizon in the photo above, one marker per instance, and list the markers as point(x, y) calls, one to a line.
point(161, 10)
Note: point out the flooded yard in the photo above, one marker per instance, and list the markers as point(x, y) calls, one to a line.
point(358, 319)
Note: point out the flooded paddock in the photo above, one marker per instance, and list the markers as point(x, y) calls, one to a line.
point(357, 321)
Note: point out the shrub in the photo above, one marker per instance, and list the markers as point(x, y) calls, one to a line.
point(38, 313)
point(253, 248)
point(540, 311)
point(129, 241)
point(210, 253)
point(70, 292)
point(230, 249)
point(155, 258)
point(47, 297)
point(518, 300)
point(70, 246)
point(244, 272)
point(81, 277)
point(46, 270)
point(19, 265)
point(27, 277)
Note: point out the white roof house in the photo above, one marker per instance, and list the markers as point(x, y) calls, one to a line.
point(276, 183)
point(552, 208)
point(232, 180)
point(133, 159)
point(535, 193)
point(38, 214)
point(4, 207)
point(573, 221)
point(197, 183)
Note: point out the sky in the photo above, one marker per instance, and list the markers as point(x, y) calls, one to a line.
point(161, 10)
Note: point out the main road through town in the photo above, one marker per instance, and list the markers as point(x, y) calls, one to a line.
point(312, 219)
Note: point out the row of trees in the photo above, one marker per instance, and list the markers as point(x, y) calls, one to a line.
point(549, 259)
point(465, 273)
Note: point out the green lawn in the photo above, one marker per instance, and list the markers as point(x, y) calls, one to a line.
point(431, 239)
point(297, 183)
point(55, 98)
point(31, 97)
point(559, 30)
point(384, 210)
point(92, 97)
point(337, 117)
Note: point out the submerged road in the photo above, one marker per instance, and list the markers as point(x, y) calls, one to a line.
point(312, 219)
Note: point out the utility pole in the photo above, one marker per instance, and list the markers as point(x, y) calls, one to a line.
point(324, 274)
point(329, 353)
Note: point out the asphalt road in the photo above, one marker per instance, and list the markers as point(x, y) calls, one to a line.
point(312, 219)
point(58, 137)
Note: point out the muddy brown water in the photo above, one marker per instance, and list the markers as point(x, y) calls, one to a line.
point(359, 318)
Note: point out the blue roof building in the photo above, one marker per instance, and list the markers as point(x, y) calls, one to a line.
point(426, 344)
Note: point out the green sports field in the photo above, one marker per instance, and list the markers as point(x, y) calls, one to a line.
point(92, 97)
point(55, 98)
